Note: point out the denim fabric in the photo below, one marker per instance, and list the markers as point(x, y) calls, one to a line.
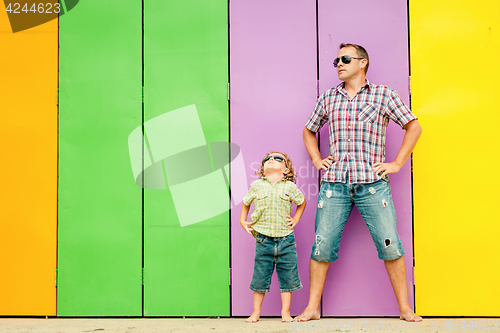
point(279, 251)
point(374, 202)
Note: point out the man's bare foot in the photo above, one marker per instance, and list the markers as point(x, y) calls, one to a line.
point(253, 318)
point(285, 317)
point(409, 315)
point(308, 315)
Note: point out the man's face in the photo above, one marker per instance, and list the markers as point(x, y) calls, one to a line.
point(352, 69)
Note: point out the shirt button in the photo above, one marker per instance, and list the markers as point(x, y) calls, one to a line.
point(349, 140)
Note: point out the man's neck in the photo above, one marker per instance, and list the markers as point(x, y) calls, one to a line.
point(353, 85)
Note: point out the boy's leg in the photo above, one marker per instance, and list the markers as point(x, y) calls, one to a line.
point(374, 202)
point(262, 272)
point(257, 304)
point(333, 210)
point(288, 273)
point(286, 299)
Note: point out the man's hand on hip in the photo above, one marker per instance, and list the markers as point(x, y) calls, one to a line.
point(386, 168)
point(323, 164)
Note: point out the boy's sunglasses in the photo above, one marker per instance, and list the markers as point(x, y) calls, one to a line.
point(345, 59)
point(274, 157)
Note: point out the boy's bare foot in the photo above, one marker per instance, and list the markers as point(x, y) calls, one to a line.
point(253, 318)
point(285, 317)
point(409, 315)
point(308, 315)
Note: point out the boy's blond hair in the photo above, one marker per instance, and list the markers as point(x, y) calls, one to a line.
point(291, 175)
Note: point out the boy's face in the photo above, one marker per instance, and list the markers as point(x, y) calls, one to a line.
point(271, 165)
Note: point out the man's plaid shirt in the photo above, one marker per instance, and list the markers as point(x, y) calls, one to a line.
point(272, 203)
point(357, 129)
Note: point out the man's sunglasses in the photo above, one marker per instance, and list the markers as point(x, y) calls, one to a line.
point(274, 157)
point(345, 59)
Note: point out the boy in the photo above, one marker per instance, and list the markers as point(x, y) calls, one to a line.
point(272, 226)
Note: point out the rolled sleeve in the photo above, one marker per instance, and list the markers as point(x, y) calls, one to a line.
point(398, 111)
point(319, 117)
point(296, 195)
point(252, 192)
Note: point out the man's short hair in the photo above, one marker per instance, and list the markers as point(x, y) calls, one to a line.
point(361, 52)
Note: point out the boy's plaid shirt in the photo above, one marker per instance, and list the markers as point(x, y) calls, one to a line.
point(357, 129)
point(272, 203)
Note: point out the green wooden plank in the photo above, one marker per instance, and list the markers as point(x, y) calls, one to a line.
point(100, 206)
point(186, 62)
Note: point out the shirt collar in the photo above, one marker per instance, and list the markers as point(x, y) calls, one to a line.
point(267, 180)
point(341, 87)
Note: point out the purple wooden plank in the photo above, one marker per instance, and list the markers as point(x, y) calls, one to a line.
point(273, 90)
point(358, 284)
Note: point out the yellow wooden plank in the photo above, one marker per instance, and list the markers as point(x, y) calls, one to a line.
point(455, 46)
point(28, 150)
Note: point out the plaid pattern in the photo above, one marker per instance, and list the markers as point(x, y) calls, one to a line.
point(357, 129)
point(272, 204)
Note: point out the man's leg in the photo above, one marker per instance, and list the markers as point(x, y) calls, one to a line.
point(374, 202)
point(396, 270)
point(317, 271)
point(334, 207)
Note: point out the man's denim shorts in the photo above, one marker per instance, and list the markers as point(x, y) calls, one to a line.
point(279, 251)
point(374, 202)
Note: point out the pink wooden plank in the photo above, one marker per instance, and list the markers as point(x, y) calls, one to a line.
point(358, 284)
point(273, 90)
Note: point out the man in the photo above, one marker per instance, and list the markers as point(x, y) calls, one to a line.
point(357, 113)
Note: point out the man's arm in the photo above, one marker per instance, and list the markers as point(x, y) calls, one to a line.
point(413, 131)
point(311, 144)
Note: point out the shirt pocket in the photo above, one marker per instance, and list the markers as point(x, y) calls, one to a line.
point(368, 113)
point(261, 197)
point(285, 204)
point(285, 196)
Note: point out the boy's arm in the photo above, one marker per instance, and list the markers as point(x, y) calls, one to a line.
point(243, 219)
point(292, 221)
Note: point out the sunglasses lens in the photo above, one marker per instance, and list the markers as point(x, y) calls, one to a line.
point(276, 158)
point(346, 59)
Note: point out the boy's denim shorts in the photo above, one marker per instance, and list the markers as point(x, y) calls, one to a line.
point(374, 202)
point(279, 251)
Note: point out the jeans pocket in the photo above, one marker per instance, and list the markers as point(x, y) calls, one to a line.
point(290, 239)
point(259, 239)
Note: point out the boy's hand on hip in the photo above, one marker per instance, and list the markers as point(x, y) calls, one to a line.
point(247, 226)
point(291, 222)
point(386, 168)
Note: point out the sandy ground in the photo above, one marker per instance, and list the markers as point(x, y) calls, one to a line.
point(268, 325)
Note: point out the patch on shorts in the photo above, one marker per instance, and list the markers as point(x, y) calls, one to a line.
point(372, 190)
point(320, 204)
point(317, 242)
point(329, 194)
